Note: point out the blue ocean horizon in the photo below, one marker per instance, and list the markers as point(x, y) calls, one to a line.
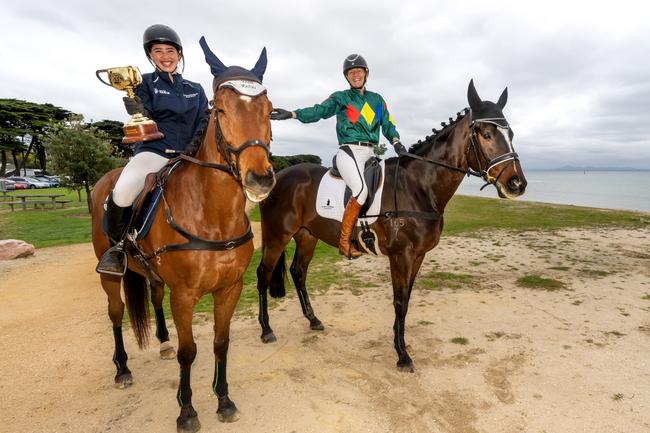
point(608, 189)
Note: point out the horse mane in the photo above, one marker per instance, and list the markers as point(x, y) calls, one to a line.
point(199, 135)
point(423, 146)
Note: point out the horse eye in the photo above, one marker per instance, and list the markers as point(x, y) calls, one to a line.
point(487, 135)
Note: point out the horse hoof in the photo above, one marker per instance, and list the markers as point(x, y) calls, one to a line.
point(269, 338)
point(123, 381)
point(167, 351)
point(316, 325)
point(406, 366)
point(227, 411)
point(188, 425)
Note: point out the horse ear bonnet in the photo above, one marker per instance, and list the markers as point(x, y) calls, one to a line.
point(223, 73)
point(485, 109)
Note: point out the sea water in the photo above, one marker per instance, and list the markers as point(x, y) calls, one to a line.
point(628, 190)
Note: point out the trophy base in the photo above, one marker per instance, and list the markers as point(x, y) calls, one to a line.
point(141, 132)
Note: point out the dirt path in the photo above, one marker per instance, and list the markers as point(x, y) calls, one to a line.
point(575, 359)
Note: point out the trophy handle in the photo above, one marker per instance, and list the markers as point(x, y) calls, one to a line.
point(99, 71)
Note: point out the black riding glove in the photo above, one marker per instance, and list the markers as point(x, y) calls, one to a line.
point(281, 114)
point(399, 147)
point(134, 106)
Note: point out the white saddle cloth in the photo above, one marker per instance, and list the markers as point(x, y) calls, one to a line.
point(329, 200)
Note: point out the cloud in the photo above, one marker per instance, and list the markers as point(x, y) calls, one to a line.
point(576, 71)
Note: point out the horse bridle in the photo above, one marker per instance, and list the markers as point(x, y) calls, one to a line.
point(195, 242)
point(484, 173)
point(473, 147)
point(228, 151)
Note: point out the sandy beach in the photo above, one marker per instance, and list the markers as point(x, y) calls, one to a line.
point(571, 359)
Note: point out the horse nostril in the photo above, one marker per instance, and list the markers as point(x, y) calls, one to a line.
point(264, 180)
point(514, 184)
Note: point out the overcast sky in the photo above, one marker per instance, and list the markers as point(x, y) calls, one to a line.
point(577, 72)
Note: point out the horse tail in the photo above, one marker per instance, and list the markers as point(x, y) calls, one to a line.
point(137, 302)
point(277, 278)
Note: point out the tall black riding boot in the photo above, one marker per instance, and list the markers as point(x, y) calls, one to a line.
point(118, 219)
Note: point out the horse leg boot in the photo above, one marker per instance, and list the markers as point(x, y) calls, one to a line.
point(118, 219)
point(347, 225)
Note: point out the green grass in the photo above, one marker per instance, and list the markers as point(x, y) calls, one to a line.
point(441, 280)
point(466, 214)
point(460, 340)
point(537, 282)
point(49, 227)
point(321, 276)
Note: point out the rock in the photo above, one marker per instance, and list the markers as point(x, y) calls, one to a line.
point(13, 249)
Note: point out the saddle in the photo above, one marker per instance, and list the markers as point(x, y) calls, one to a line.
point(372, 175)
point(146, 203)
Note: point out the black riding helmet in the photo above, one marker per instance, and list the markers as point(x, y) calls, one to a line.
point(160, 34)
point(355, 61)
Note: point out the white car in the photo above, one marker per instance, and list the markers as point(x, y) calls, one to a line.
point(7, 185)
point(33, 183)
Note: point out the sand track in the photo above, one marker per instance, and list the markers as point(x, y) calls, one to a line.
point(571, 360)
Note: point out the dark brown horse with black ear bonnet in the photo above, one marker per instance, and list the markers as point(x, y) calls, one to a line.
point(200, 240)
point(418, 185)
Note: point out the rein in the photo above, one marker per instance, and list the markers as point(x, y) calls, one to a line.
point(233, 168)
point(475, 148)
point(483, 173)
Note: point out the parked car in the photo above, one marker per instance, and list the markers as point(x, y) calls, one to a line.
point(49, 180)
point(7, 185)
point(20, 185)
point(33, 183)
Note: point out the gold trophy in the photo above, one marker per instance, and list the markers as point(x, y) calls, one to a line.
point(138, 127)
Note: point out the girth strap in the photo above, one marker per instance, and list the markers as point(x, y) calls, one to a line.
point(412, 214)
point(432, 215)
point(197, 243)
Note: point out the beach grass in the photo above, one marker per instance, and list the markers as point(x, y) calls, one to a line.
point(460, 340)
point(463, 216)
point(541, 283)
point(466, 214)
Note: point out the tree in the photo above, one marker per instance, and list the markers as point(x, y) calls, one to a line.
point(113, 130)
point(280, 162)
point(23, 125)
point(80, 155)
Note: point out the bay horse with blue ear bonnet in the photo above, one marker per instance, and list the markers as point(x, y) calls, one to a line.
point(200, 240)
point(409, 218)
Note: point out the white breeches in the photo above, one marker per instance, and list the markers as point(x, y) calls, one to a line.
point(131, 181)
point(351, 169)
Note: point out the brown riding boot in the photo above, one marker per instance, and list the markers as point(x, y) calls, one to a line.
point(349, 218)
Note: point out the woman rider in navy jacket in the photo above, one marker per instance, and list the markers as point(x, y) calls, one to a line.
point(177, 106)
